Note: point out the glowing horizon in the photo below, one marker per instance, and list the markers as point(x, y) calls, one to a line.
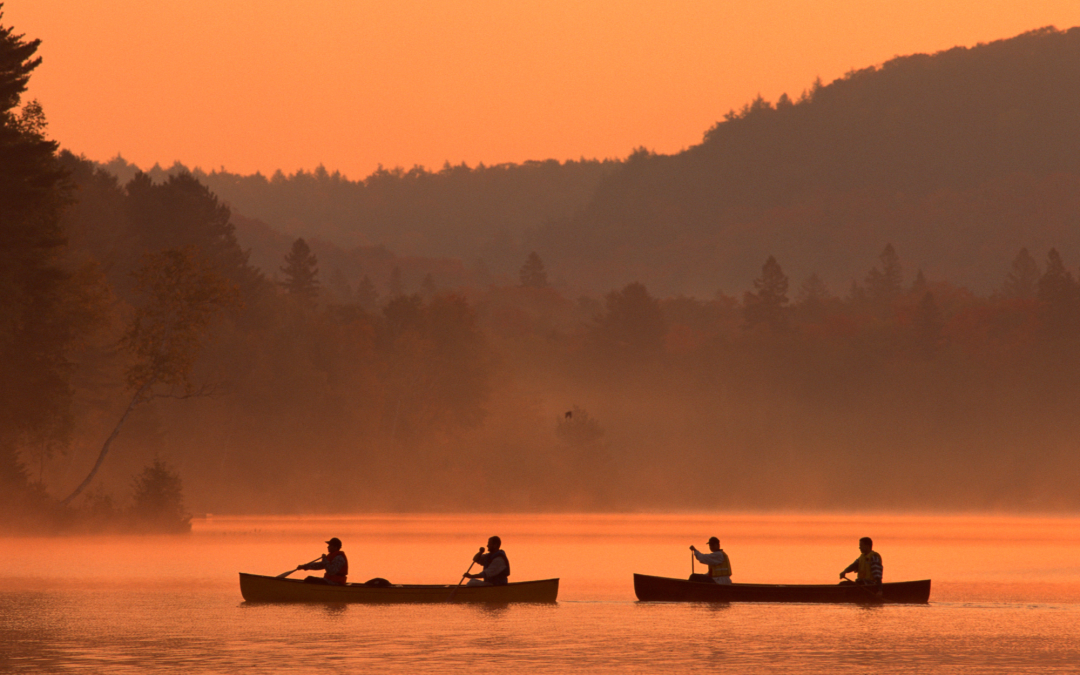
point(251, 85)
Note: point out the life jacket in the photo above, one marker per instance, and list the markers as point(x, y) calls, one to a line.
point(866, 566)
point(336, 578)
point(499, 579)
point(723, 569)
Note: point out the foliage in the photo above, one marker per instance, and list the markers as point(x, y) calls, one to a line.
point(159, 499)
point(301, 271)
point(532, 273)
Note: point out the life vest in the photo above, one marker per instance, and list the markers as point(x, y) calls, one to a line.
point(723, 569)
point(866, 566)
point(336, 578)
point(499, 579)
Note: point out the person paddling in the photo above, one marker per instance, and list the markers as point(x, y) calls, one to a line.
point(334, 563)
point(868, 566)
point(495, 563)
point(718, 562)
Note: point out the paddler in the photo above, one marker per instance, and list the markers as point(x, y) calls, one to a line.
point(867, 566)
point(495, 563)
point(334, 563)
point(718, 562)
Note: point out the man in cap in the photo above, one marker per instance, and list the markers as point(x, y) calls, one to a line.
point(495, 563)
point(334, 564)
point(718, 562)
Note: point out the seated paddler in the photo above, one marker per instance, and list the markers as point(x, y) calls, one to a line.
point(496, 566)
point(334, 564)
point(718, 562)
point(867, 567)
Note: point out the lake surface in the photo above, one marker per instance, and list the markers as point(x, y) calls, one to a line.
point(1005, 598)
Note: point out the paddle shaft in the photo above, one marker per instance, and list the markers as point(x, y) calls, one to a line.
point(285, 574)
point(462, 578)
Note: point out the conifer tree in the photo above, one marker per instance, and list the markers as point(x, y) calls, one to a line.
point(532, 273)
point(1059, 297)
point(767, 305)
point(885, 284)
point(366, 294)
point(301, 271)
point(1023, 280)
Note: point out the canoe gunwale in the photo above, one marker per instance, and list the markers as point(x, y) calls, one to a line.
point(664, 589)
point(260, 588)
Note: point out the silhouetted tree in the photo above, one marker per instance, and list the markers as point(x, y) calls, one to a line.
point(919, 285)
point(766, 306)
point(532, 273)
point(159, 499)
point(1059, 297)
point(366, 294)
point(1023, 280)
point(182, 295)
point(885, 284)
point(41, 315)
point(301, 271)
point(632, 323)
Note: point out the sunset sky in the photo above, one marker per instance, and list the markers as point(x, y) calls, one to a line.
point(261, 85)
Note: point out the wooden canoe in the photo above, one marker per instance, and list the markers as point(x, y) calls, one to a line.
point(257, 588)
point(663, 589)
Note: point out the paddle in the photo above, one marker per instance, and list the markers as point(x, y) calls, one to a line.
point(285, 574)
point(463, 577)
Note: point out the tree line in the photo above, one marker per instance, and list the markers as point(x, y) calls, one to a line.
point(149, 368)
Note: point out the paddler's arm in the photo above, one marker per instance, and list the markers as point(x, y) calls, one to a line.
point(850, 568)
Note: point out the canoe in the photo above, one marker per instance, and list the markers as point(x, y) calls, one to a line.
point(663, 589)
point(257, 588)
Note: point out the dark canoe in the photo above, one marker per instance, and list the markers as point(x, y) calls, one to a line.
point(662, 589)
point(257, 588)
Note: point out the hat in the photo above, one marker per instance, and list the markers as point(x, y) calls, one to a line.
point(712, 539)
point(335, 542)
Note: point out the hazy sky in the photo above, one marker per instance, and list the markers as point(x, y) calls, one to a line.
point(260, 85)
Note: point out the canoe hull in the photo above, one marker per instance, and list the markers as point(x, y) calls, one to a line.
point(257, 588)
point(663, 589)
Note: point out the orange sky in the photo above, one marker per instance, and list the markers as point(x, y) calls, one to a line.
point(260, 85)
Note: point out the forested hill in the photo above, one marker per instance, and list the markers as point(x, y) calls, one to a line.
point(958, 158)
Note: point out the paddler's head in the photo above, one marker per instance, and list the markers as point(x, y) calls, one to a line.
point(494, 544)
point(866, 544)
point(714, 544)
point(333, 544)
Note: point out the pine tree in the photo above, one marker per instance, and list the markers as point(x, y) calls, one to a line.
point(766, 306)
point(532, 273)
point(1023, 280)
point(1059, 297)
point(366, 294)
point(301, 271)
point(885, 284)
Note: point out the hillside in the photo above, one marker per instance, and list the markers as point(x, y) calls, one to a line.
point(958, 158)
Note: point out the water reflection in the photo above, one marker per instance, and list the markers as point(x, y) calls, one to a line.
point(136, 605)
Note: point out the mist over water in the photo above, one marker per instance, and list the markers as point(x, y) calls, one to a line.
point(1006, 596)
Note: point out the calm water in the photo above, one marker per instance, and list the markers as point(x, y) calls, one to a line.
point(1006, 597)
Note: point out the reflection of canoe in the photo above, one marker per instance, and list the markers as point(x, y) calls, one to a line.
point(256, 588)
point(678, 590)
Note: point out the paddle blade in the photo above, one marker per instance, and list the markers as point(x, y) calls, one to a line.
point(285, 574)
